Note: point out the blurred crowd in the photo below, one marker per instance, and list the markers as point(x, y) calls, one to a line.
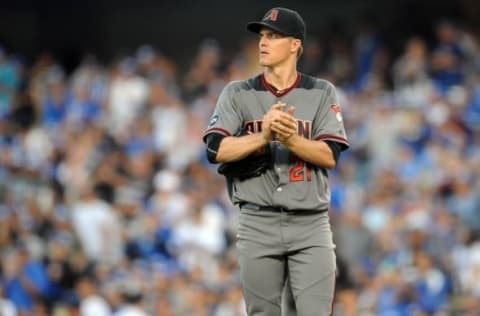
point(108, 205)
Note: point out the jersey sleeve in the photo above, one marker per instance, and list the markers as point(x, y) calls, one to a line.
point(226, 118)
point(328, 122)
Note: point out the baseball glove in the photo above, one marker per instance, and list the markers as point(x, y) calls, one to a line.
point(251, 166)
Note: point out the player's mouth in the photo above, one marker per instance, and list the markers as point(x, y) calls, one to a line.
point(263, 53)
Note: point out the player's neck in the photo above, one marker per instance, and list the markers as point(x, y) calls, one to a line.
point(281, 77)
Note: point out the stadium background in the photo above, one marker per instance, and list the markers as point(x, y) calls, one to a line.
point(107, 200)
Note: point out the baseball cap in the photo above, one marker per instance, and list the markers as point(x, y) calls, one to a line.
point(281, 20)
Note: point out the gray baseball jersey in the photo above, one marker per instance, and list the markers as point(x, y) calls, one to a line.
point(292, 183)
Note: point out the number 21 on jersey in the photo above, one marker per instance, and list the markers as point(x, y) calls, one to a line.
point(300, 171)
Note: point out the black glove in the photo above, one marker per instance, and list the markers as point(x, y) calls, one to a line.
point(251, 166)
point(248, 167)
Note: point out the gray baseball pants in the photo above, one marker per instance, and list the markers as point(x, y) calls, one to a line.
point(275, 245)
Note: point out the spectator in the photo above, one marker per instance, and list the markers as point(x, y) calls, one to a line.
point(432, 286)
point(96, 226)
point(26, 281)
point(410, 75)
point(55, 99)
point(9, 81)
point(91, 304)
point(131, 298)
point(7, 308)
point(127, 96)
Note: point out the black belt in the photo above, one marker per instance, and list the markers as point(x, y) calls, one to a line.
point(279, 209)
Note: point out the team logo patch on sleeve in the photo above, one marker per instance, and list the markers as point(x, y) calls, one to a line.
point(338, 113)
point(213, 120)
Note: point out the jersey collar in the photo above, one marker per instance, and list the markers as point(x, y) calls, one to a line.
point(280, 93)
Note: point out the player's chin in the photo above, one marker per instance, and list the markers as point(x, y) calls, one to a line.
point(263, 58)
point(265, 62)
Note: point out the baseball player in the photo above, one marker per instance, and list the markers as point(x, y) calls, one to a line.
point(291, 125)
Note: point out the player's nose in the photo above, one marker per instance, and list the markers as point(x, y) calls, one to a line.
point(262, 42)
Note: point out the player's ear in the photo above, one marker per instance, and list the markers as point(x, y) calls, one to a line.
point(296, 45)
point(300, 51)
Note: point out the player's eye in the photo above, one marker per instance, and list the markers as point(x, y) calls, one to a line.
point(277, 35)
point(270, 35)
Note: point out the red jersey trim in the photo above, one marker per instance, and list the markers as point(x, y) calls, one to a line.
point(334, 138)
point(272, 90)
point(217, 130)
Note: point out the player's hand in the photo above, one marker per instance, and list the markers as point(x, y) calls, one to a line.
point(285, 125)
point(271, 116)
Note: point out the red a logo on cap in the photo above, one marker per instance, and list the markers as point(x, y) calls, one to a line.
point(273, 15)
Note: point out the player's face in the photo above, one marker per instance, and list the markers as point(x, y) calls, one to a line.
point(274, 48)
